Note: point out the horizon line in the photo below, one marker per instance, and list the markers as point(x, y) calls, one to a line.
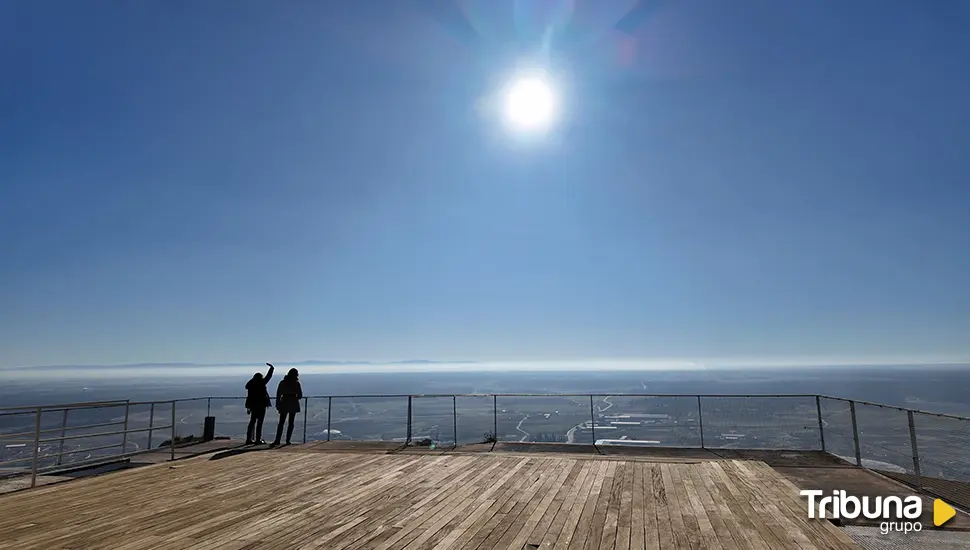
point(646, 363)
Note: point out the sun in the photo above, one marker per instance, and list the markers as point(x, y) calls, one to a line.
point(530, 104)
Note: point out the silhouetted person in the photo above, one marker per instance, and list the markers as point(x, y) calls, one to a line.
point(257, 399)
point(288, 396)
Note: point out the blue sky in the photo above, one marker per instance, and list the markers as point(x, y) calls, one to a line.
point(240, 181)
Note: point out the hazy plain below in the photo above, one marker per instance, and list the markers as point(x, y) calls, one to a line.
point(937, 388)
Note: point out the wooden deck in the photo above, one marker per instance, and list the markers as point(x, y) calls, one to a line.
point(276, 500)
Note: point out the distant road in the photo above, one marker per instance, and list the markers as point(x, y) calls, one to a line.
point(608, 404)
point(571, 434)
point(519, 427)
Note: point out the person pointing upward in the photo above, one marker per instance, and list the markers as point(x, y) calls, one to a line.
point(257, 400)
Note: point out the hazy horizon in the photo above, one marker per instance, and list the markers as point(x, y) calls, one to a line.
point(167, 370)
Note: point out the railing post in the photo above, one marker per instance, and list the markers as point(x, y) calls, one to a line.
point(172, 442)
point(700, 420)
point(454, 416)
point(306, 407)
point(151, 422)
point(408, 440)
point(495, 417)
point(912, 440)
point(208, 406)
point(821, 432)
point(124, 436)
point(592, 420)
point(855, 434)
point(33, 468)
point(329, 409)
point(60, 450)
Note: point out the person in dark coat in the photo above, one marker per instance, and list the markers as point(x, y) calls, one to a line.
point(257, 400)
point(288, 396)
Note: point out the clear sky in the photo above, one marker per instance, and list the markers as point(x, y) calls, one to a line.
point(245, 181)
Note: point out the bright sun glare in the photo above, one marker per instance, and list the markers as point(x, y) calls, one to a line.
point(530, 104)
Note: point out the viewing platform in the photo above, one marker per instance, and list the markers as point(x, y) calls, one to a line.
point(421, 493)
point(311, 497)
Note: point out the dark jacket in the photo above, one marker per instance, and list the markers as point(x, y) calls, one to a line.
point(257, 396)
point(289, 393)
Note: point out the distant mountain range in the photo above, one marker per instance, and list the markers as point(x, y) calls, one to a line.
point(198, 365)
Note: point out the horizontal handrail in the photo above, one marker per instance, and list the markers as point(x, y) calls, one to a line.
point(903, 409)
point(8, 436)
point(404, 395)
point(13, 460)
point(82, 436)
point(76, 451)
point(102, 434)
point(586, 395)
point(28, 409)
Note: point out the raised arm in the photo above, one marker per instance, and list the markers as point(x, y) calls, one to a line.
point(269, 373)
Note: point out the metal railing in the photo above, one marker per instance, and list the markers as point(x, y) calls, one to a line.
point(98, 427)
point(925, 450)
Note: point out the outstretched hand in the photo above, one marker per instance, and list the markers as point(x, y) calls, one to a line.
point(270, 365)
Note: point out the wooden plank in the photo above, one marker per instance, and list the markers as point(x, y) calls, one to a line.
point(612, 519)
point(525, 504)
point(573, 500)
point(381, 524)
point(450, 497)
point(656, 531)
point(473, 537)
point(694, 510)
point(547, 508)
point(489, 503)
point(822, 533)
point(508, 517)
point(637, 529)
point(789, 534)
point(811, 531)
point(598, 519)
point(449, 540)
point(624, 530)
point(712, 524)
point(380, 508)
point(741, 526)
point(383, 513)
point(674, 510)
point(574, 529)
point(753, 520)
point(432, 534)
point(570, 486)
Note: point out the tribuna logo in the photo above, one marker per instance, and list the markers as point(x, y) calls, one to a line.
point(897, 514)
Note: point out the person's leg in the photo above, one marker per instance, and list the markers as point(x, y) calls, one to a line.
point(279, 429)
point(261, 416)
point(289, 426)
point(251, 427)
